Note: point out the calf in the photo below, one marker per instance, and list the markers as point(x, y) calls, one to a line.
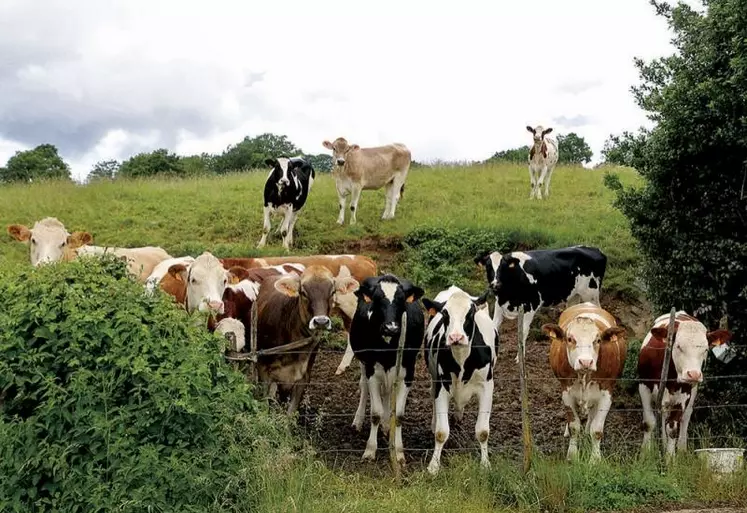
point(689, 352)
point(358, 169)
point(290, 308)
point(542, 277)
point(460, 348)
point(543, 156)
point(374, 337)
point(286, 189)
point(587, 355)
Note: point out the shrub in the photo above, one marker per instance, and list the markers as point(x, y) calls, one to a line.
point(114, 401)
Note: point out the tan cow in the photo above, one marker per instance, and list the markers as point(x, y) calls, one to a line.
point(587, 355)
point(357, 169)
point(543, 157)
point(50, 242)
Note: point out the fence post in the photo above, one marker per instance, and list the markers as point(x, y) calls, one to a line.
point(397, 382)
point(253, 345)
point(526, 428)
point(663, 382)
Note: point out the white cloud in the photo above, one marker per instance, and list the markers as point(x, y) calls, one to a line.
point(451, 80)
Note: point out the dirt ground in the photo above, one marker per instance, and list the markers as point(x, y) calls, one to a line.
point(330, 404)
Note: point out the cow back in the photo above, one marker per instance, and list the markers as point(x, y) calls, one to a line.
point(279, 318)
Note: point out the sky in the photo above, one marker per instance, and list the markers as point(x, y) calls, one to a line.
point(451, 80)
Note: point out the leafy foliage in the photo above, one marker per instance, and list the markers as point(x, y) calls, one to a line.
point(622, 150)
point(573, 149)
point(514, 155)
point(252, 152)
point(321, 163)
point(104, 170)
point(114, 401)
point(160, 162)
point(689, 217)
point(41, 163)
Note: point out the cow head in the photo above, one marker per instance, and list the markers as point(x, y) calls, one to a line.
point(316, 289)
point(582, 339)
point(690, 348)
point(206, 280)
point(490, 262)
point(538, 133)
point(505, 271)
point(49, 241)
point(340, 150)
point(458, 315)
point(280, 174)
point(386, 297)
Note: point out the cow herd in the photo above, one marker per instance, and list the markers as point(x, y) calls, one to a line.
point(294, 297)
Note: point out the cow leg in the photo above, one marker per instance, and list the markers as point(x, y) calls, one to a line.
point(347, 358)
point(531, 183)
point(482, 426)
point(547, 183)
point(265, 228)
point(671, 424)
point(291, 227)
point(497, 316)
point(354, 197)
point(399, 414)
point(441, 411)
point(574, 424)
point(285, 227)
point(649, 419)
point(342, 198)
point(377, 410)
point(541, 180)
point(388, 188)
point(297, 392)
point(397, 184)
point(682, 439)
point(362, 400)
point(601, 410)
point(528, 317)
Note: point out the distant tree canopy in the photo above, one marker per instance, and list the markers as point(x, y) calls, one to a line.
point(321, 163)
point(41, 163)
point(572, 149)
point(621, 149)
point(252, 152)
point(156, 163)
point(103, 170)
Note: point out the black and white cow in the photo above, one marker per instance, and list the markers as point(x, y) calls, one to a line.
point(286, 190)
point(374, 337)
point(460, 349)
point(542, 277)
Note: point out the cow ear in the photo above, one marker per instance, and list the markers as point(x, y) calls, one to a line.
point(660, 333)
point(511, 261)
point(546, 131)
point(412, 292)
point(344, 272)
point(78, 239)
point(19, 232)
point(236, 274)
point(346, 285)
point(530, 129)
point(289, 285)
point(553, 331)
point(328, 145)
point(433, 307)
point(612, 334)
point(482, 258)
point(354, 147)
point(270, 162)
point(178, 272)
point(718, 337)
point(363, 295)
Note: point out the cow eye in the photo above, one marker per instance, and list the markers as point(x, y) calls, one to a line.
point(64, 243)
point(33, 241)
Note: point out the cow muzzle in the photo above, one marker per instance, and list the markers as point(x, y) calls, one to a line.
point(456, 339)
point(212, 306)
point(390, 329)
point(340, 162)
point(320, 322)
point(691, 376)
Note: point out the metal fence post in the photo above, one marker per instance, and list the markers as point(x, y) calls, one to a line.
point(526, 427)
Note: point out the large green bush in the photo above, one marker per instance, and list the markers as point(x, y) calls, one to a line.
point(115, 401)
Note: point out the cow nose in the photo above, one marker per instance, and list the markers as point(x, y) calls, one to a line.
point(340, 162)
point(456, 338)
point(694, 375)
point(216, 305)
point(390, 329)
point(321, 321)
point(586, 364)
point(496, 285)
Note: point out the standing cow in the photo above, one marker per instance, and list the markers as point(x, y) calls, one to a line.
point(542, 277)
point(587, 355)
point(543, 157)
point(689, 352)
point(460, 346)
point(357, 169)
point(286, 189)
point(374, 337)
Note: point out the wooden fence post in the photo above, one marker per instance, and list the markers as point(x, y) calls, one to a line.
point(663, 383)
point(253, 345)
point(526, 428)
point(393, 399)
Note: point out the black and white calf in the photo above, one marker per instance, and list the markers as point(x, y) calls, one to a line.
point(286, 190)
point(374, 337)
point(460, 349)
point(542, 277)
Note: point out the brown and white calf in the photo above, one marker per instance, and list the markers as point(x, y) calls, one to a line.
point(290, 308)
point(587, 355)
point(543, 157)
point(357, 169)
point(49, 242)
point(689, 352)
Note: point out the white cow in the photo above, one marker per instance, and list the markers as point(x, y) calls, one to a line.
point(357, 169)
point(543, 156)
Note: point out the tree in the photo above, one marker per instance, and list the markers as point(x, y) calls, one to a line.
point(156, 163)
point(321, 162)
point(251, 153)
point(41, 163)
point(197, 165)
point(103, 170)
point(573, 149)
point(514, 155)
point(690, 215)
point(620, 149)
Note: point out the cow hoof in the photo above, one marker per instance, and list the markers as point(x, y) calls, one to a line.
point(369, 455)
point(485, 464)
point(357, 425)
point(401, 458)
point(433, 468)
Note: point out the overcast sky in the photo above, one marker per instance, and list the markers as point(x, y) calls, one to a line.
point(105, 79)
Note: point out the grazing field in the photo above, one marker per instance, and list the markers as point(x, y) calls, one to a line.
point(445, 215)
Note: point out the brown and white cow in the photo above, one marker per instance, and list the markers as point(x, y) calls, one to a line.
point(689, 352)
point(290, 308)
point(357, 169)
point(587, 355)
point(543, 157)
point(49, 242)
point(360, 267)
